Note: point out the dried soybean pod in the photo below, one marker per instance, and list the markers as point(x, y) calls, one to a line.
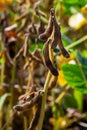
point(41, 28)
point(63, 50)
point(24, 107)
point(27, 105)
point(26, 97)
point(8, 58)
point(44, 36)
point(54, 43)
point(57, 39)
point(19, 53)
point(36, 116)
point(32, 29)
point(52, 12)
point(53, 82)
point(47, 58)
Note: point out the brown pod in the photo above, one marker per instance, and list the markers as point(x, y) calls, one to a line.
point(44, 36)
point(32, 29)
point(27, 97)
point(36, 116)
point(41, 28)
point(52, 12)
point(47, 58)
point(27, 105)
point(53, 82)
point(54, 41)
point(8, 59)
point(23, 107)
point(63, 50)
point(57, 39)
point(19, 53)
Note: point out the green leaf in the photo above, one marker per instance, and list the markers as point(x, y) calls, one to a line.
point(78, 96)
point(2, 60)
point(71, 1)
point(73, 75)
point(82, 59)
point(75, 2)
point(32, 47)
point(55, 4)
point(69, 102)
point(2, 100)
point(84, 53)
point(66, 40)
point(74, 78)
point(40, 45)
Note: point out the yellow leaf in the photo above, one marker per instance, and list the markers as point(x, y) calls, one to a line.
point(4, 4)
point(84, 9)
point(6, 1)
point(61, 80)
point(62, 60)
point(63, 122)
point(52, 121)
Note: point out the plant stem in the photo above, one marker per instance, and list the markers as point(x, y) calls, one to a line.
point(49, 76)
point(76, 42)
point(44, 101)
point(62, 95)
point(58, 10)
point(25, 122)
point(82, 72)
point(2, 74)
point(2, 65)
point(13, 71)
